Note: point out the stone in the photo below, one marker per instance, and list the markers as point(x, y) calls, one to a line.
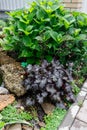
point(69, 118)
point(5, 100)
point(12, 74)
point(78, 125)
point(48, 108)
point(36, 128)
point(82, 114)
point(3, 91)
point(26, 127)
point(86, 97)
point(81, 96)
point(4, 59)
point(15, 127)
point(84, 89)
point(18, 105)
point(1, 81)
point(6, 127)
point(13, 78)
point(85, 84)
point(41, 124)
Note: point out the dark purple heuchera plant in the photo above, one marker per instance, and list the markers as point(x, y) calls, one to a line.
point(48, 81)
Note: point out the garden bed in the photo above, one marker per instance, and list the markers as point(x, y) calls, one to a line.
point(53, 115)
point(38, 112)
point(43, 59)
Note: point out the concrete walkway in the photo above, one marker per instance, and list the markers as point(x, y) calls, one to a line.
point(76, 118)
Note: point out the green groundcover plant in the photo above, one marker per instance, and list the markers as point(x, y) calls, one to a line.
point(12, 115)
point(54, 119)
point(46, 30)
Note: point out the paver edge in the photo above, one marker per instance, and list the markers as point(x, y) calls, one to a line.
point(62, 127)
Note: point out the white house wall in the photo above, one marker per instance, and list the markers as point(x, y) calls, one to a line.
point(6, 5)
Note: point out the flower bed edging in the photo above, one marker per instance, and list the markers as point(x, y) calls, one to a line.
point(74, 109)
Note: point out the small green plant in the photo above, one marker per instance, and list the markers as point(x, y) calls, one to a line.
point(1, 124)
point(75, 88)
point(54, 119)
point(11, 114)
point(80, 103)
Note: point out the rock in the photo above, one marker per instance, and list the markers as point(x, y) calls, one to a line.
point(12, 77)
point(2, 85)
point(26, 127)
point(5, 100)
point(36, 127)
point(3, 90)
point(12, 74)
point(15, 127)
point(1, 80)
point(18, 104)
point(48, 107)
point(6, 127)
point(4, 59)
point(41, 124)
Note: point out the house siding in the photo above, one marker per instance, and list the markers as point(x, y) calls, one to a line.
point(7, 5)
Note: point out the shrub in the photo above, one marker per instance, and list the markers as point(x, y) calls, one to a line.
point(45, 30)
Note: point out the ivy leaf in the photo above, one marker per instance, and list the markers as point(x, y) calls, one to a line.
point(27, 41)
point(49, 58)
point(29, 28)
point(23, 28)
point(25, 53)
point(77, 31)
point(49, 45)
point(39, 38)
point(46, 35)
point(30, 60)
point(2, 124)
point(40, 14)
point(54, 35)
point(8, 46)
point(1, 117)
point(55, 7)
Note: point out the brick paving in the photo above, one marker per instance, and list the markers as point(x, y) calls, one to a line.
point(76, 117)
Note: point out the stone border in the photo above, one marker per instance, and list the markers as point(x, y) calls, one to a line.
point(74, 109)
